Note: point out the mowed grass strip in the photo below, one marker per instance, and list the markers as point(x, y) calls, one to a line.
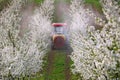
point(58, 67)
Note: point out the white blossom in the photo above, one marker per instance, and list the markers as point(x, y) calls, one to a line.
point(96, 54)
point(23, 55)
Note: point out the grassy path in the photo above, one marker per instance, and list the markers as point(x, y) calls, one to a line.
point(57, 67)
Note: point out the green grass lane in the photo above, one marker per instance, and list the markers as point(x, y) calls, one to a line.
point(58, 67)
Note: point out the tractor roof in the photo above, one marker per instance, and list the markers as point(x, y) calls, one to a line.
point(59, 24)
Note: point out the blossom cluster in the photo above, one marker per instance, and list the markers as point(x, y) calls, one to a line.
point(23, 55)
point(96, 54)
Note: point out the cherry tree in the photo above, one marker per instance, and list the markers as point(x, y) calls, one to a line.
point(78, 15)
point(96, 55)
point(23, 55)
point(9, 37)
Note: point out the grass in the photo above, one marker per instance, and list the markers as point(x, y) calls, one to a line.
point(58, 67)
point(58, 72)
point(95, 3)
point(38, 1)
point(37, 78)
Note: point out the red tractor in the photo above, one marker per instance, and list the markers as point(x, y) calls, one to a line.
point(58, 37)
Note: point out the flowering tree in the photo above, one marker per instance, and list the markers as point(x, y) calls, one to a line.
point(96, 54)
point(41, 24)
point(78, 15)
point(41, 28)
point(9, 39)
point(22, 55)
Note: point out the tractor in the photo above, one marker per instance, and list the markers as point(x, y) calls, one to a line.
point(58, 36)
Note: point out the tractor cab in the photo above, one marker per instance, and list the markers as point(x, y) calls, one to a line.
point(58, 37)
point(58, 28)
